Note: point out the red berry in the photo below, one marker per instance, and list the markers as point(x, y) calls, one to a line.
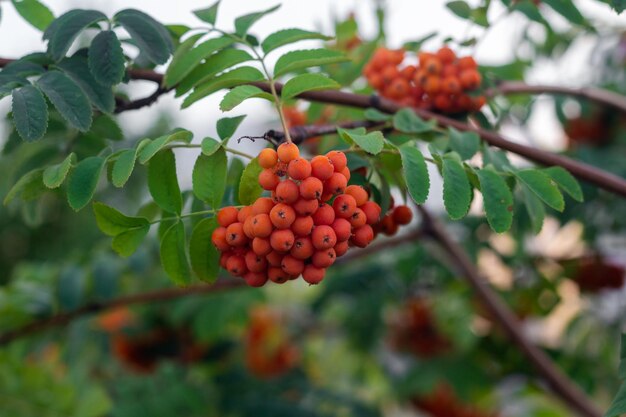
point(313, 275)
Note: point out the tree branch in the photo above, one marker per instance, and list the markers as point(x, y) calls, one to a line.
point(123, 105)
point(558, 382)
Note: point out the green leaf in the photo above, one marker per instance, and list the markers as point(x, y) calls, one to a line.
point(466, 144)
point(34, 12)
point(106, 58)
point(543, 186)
point(407, 121)
point(535, 209)
point(105, 126)
point(163, 183)
point(54, 175)
point(184, 63)
point(209, 177)
point(243, 23)
point(181, 52)
point(204, 256)
point(618, 5)
point(173, 255)
point(618, 406)
point(238, 76)
point(307, 82)
point(126, 243)
point(372, 142)
point(28, 187)
point(152, 38)
point(77, 67)
point(460, 8)
point(457, 192)
point(227, 126)
point(376, 115)
point(306, 58)
point(209, 14)
point(243, 92)
point(151, 148)
point(567, 9)
point(415, 173)
point(83, 180)
point(249, 188)
point(210, 146)
point(112, 222)
point(123, 167)
point(66, 29)
point(566, 182)
point(30, 113)
point(68, 98)
point(287, 36)
point(498, 199)
point(622, 356)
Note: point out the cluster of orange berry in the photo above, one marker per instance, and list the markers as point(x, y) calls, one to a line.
point(440, 81)
point(298, 230)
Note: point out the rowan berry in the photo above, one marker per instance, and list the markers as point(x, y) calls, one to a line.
point(281, 169)
point(402, 215)
point(268, 158)
point(388, 226)
point(326, 197)
point(362, 236)
point(408, 72)
point(268, 180)
point(420, 77)
point(235, 235)
point(372, 212)
point(398, 89)
point(344, 206)
point(261, 246)
point(467, 62)
point(324, 258)
point(262, 205)
point(336, 184)
point(389, 73)
point(287, 152)
point(224, 259)
point(302, 226)
point(292, 266)
point(449, 70)
point(274, 258)
point(376, 81)
point(254, 262)
point(313, 275)
point(358, 193)
point(358, 218)
point(305, 207)
point(324, 215)
point(341, 248)
point(424, 57)
point(227, 216)
point(282, 240)
point(470, 79)
point(248, 228)
point(219, 239)
point(244, 213)
point(338, 159)
point(261, 225)
point(432, 85)
point(451, 85)
point(299, 169)
point(433, 66)
point(446, 55)
point(287, 192)
point(277, 275)
point(346, 173)
point(236, 265)
point(255, 279)
point(311, 188)
point(342, 228)
point(442, 102)
point(302, 248)
point(323, 237)
point(321, 167)
point(282, 216)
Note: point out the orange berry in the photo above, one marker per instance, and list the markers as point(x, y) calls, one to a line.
point(302, 226)
point(324, 215)
point(244, 213)
point(470, 79)
point(359, 194)
point(336, 184)
point(236, 265)
point(388, 226)
point(326, 197)
point(219, 239)
point(449, 70)
point(282, 240)
point(261, 246)
point(408, 72)
point(342, 228)
point(344, 206)
point(396, 57)
point(363, 236)
point(346, 173)
point(287, 152)
point(442, 102)
point(323, 237)
point(305, 207)
point(268, 158)
point(287, 192)
point(262, 205)
point(372, 212)
point(433, 66)
point(274, 258)
point(281, 169)
point(248, 228)
point(302, 248)
point(432, 84)
point(235, 235)
point(402, 215)
point(341, 248)
point(255, 263)
point(292, 266)
point(227, 216)
point(255, 279)
point(324, 258)
point(313, 275)
point(398, 88)
point(311, 188)
point(389, 73)
point(268, 180)
point(338, 159)
point(282, 216)
point(420, 76)
point(261, 225)
point(358, 218)
point(224, 259)
point(424, 57)
point(467, 62)
point(446, 55)
point(322, 167)
point(277, 275)
point(299, 169)
point(451, 85)
point(376, 81)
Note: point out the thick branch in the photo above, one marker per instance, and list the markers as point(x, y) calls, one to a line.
point(557, 381)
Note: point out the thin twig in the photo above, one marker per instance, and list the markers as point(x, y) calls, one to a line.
point(123, 105)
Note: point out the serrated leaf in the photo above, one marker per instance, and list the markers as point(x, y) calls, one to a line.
point(466, 144)
point(184, 63)
point(203, 255)
point(238, 76)
point(68, 98)
point(227, 126)
point(566, 182)
point(123, 167)
point(376, 115)
point(568, 10)
point(249, 188)
point(126, 243)
point(460, 8)
point(30, 113)
point(307, 82)
point(173, 255)
point(83, 180)
point(106, 126)
point(181, 52)
point(287, 36)
point(210, 146)
point(163, 183)
point(209, 14)
point(305, 58)
point(151, 148)
point(241, 93)
point(67, 28)
point(372, 142)
point(54, 175)
point(112, 222)
point(243, 23)
point(498, 200)
point(106, 58)
point(77, 68)
point(535, 209)
point(34, 12)
point(415, 173)
point(152, 38)
point(407, 121)
point(543, 187)
point(209, 177)
point(457, 192)
point(29, 186)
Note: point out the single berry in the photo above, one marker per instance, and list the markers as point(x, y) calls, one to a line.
point(302, 226)
point(342, 228)
point(227, 216)
point(292, 266)
point(313, 275)
point(236, 265)
point(372, 212)
point(358, 218)
point(344, 206)
point(346, 173)
point(244, 213)
point(224, 259)
point(262, 205)
point(302, 248)
point(255, 263)
point(388, 226)
point(470, 79)
point(287, 152)
point(446, 55)
point(261, 246)
point(268, 180)
point(324, 215)
point(287, 192)
point(467, 62)
point(311, 188)
point(402, 215)
point(235, 235)
point(248, 229)
point(255, 279)
point(261, 225)
point(219, 239)
point(336, 184)
point(323, 237)
point(362, 236)
point(324, 258)
point(282, 216)
point(277, 275)
point(305, 207)
point(359, 194)
point(321, 167)
point(282, 240)
point(341, 248)
point(338, 159)
point(274, 258)
point(299, 169)
point(268, 158)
